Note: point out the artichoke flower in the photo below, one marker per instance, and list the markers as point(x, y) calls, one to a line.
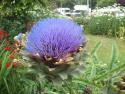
point(56, 41)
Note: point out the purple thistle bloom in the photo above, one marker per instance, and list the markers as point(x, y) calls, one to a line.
point(55, 37)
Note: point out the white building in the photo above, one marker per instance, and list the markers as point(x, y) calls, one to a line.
point(63, 11)
point(83, 8)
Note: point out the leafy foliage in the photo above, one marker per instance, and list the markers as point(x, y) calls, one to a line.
point(104, 3)
point(12, 26)
point(15, 78)
point(15, 8)
point(106, 25)
point(18, 16)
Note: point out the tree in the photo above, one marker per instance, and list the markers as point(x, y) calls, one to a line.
point(104, 3)
point(92, 3)
point(121, 2)
point(66, 3)
point(19, 9)
point(16, 16)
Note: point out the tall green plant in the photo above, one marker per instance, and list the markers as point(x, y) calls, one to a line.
point(16, 79)
point(106, 25)
point(100, 76)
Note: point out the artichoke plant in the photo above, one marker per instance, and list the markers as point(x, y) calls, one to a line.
point(56, 44)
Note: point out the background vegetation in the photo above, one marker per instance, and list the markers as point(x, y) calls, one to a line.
point(103, 25)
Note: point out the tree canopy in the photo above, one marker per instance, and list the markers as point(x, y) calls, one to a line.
point(92, 3)
point(104, 3)
point(19, 7)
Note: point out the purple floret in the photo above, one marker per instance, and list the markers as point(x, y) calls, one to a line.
point(55, 37)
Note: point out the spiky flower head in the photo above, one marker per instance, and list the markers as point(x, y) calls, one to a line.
point(55, 39)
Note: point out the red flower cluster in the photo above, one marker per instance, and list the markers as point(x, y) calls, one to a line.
point(7, 48)
point(14, 64)
point(11, 57)
point(8, 64)
point(10, 47)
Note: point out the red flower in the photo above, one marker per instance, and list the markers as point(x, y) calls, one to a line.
point(15, 65)
point(11, 57)
point(7, 48)
point(8, 65)
point(11, 63)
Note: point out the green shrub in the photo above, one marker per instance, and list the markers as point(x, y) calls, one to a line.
point(82, 20)
point(103, 25)
point(12, 25)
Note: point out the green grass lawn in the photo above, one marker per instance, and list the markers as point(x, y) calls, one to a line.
point(104, 53)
